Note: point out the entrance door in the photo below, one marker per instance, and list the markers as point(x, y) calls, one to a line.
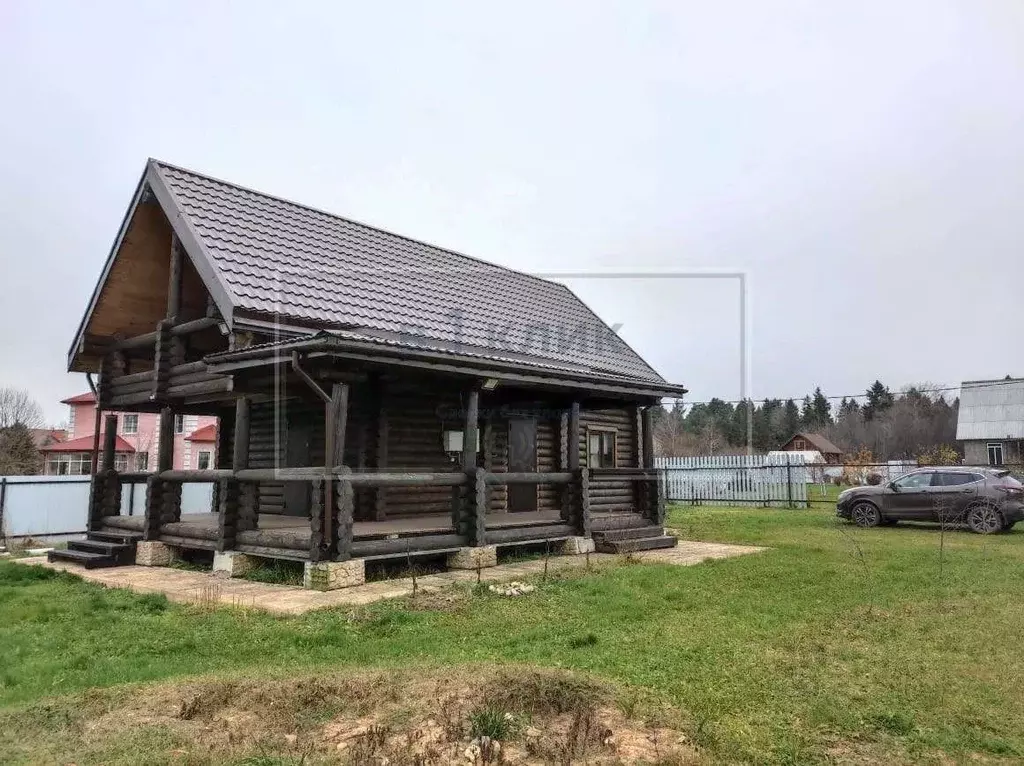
point(522, 458)
point(297, 454)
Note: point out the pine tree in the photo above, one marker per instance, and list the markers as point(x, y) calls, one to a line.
point(880, 399)
point(18, 453)
point(807, 414)
point(790, 419)
point(848, 408)
point(821, 409)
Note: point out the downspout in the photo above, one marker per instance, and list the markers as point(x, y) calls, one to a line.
point(94, 462)
point(328, 493)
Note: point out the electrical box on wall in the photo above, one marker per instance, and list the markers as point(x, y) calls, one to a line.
point(452, 441)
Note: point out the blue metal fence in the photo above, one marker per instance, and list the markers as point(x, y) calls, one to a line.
point(56, 507)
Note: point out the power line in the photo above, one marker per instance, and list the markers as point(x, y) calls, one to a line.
point(970, 385)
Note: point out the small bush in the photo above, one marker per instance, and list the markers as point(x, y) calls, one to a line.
point(491, 722)
point(580, 642)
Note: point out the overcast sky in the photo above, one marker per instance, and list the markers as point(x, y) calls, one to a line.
point(862, 161)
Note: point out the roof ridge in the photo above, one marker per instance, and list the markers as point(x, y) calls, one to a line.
point(353, 221)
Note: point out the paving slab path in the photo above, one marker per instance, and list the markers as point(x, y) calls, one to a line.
point(192, 587)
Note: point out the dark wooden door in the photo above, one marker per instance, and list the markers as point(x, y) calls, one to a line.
point(297, 454)
point(522, 458)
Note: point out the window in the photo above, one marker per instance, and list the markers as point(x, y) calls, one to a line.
point(179, 424)
point(950, 479)
point(914, 480)
point(204, 460)
point(130, 424)
point(70, 464)
point(600, 449)
point(995, 453)
point(121, 461)
point(142, 461)
point(799, 445)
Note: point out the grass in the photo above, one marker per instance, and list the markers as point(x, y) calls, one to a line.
point(838, 643)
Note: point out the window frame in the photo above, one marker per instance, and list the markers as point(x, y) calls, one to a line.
point(179, 424)
point(139, 464)
point(135, 423)
point(199, 459)
point(603, 432)
point(992, 447)
point(929, 474)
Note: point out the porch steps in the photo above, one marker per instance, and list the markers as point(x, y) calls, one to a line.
point(100, 549)
point(633, 539)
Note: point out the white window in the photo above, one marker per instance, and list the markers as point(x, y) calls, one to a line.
point(995, 453)
point(69, 463)
point(204, 460)
point(141, 461)
point(121, 461)
point(179, 424)
point(130, 424)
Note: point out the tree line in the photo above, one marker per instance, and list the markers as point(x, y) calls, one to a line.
point(914, 422)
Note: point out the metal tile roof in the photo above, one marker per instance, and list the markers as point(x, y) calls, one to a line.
point(991, 409)
point(279, 258)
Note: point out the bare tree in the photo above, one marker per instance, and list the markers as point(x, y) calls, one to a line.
point(17, 406)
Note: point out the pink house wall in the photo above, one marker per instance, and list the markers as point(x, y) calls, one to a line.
point(81, 422)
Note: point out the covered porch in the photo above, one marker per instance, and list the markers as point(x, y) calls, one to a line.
point(330, 455)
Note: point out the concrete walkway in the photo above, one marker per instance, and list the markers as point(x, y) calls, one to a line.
point(192, 587)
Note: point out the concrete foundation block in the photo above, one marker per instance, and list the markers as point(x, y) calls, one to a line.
point(153, 553)
point(477, 557)
point(333, 575)
point(576, 546)
point(232, 564)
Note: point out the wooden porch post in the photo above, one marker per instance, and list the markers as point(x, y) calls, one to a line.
point(581, 490)
point(380, 458)
point(467, 515)
point(105, 490)
point(109, 441)
point(325, 530)
point(228, 522)
point(161, 497)
point(650, 493)
point(339, 530)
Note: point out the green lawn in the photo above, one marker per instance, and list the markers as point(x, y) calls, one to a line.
point(836, 644)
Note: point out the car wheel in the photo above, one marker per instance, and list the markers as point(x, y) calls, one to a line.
point(984, 520)
point(865, 514)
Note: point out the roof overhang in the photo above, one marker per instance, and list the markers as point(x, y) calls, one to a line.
point(152, 183)
point(442, 361)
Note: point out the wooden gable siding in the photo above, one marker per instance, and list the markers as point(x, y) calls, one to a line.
point(608, 494)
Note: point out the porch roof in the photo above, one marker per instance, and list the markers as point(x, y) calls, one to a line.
point(465, 360)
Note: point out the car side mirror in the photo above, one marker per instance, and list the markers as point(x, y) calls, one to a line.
point(893, 487)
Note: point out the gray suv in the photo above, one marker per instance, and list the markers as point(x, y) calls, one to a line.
point(987, 500)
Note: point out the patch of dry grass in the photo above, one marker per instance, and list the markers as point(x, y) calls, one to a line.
point(423, 718)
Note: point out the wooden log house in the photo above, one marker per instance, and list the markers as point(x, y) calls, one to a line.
point(378, 396)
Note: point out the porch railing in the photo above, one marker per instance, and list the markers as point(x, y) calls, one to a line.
point(332, 539)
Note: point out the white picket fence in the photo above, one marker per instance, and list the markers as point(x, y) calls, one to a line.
point(763, 480)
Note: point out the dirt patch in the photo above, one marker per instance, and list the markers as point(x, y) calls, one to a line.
point(507, 716)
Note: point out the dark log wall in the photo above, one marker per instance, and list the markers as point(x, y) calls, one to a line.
point(548, 452)
point(612, 494)
point(417, 414)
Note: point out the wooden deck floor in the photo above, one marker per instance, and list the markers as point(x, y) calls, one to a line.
point(416, 525)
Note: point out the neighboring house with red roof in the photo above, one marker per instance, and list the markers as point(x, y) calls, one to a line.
point(195, 439)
